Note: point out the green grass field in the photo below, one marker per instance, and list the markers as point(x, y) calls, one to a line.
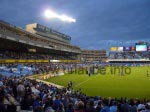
point(135, 85)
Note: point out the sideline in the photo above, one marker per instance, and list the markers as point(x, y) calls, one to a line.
point(46, 82)
point(90, 78)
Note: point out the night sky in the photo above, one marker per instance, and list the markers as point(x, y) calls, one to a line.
point(100, 23)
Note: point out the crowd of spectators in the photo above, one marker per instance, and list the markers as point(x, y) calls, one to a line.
point(35, 56)
point(129, 55)
point(40, 97)
point(34, 68)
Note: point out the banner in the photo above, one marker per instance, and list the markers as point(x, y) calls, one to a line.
point(113, 48)
point(24, 61)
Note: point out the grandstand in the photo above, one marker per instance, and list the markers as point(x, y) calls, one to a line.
point(140, 53)
point(93, 55)
point(33, 51)
point(22, 42)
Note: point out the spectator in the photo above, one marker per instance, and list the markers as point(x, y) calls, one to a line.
point(113, 108)
point(49, 106)
point(20, 92)
point(57, 102)
point(105, 107)
point(133, 107)
point(2, 106)
point(37, 104)
point(91, 107)
point(12, 107)
point(98, 108)
point(147, 108)
point(60, 108)
point(1, 83)
point(70, 108)
point(80, 107)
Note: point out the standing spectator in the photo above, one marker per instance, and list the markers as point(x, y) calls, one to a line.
point(20, 92)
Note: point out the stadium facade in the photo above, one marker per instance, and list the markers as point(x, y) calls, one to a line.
point(39, 39)
point(93, 55)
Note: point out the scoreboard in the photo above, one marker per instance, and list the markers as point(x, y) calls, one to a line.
point(141, 47)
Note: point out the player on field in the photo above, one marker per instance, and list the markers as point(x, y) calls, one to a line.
point(147, 73)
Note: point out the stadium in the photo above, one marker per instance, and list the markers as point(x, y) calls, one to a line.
point(42, 71)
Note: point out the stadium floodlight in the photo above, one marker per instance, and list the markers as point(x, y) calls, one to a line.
point(66, 18)
point(51, 14)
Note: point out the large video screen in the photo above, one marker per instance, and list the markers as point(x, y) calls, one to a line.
point(141, 47)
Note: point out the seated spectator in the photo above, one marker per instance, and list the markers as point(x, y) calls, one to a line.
point(70, 108)
point(133, 107)
point(1, 83)
point(141, 107)
point(105, 107)
point(27, 103)
point(60, 108)
point(12, 107)
point(125, 106)
point(2, 106)
point(57, 102)
point(49, 106)
point(37, 103)
point(91, 107)
point(80, 107)
point(147, 108)
point(99, 107)
point(39, 109)
point(113, 108)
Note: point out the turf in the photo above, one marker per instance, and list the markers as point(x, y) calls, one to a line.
point(133, 85)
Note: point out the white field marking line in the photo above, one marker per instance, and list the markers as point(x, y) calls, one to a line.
point(84, 81)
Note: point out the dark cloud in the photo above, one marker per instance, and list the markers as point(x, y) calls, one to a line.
point(100, 23)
